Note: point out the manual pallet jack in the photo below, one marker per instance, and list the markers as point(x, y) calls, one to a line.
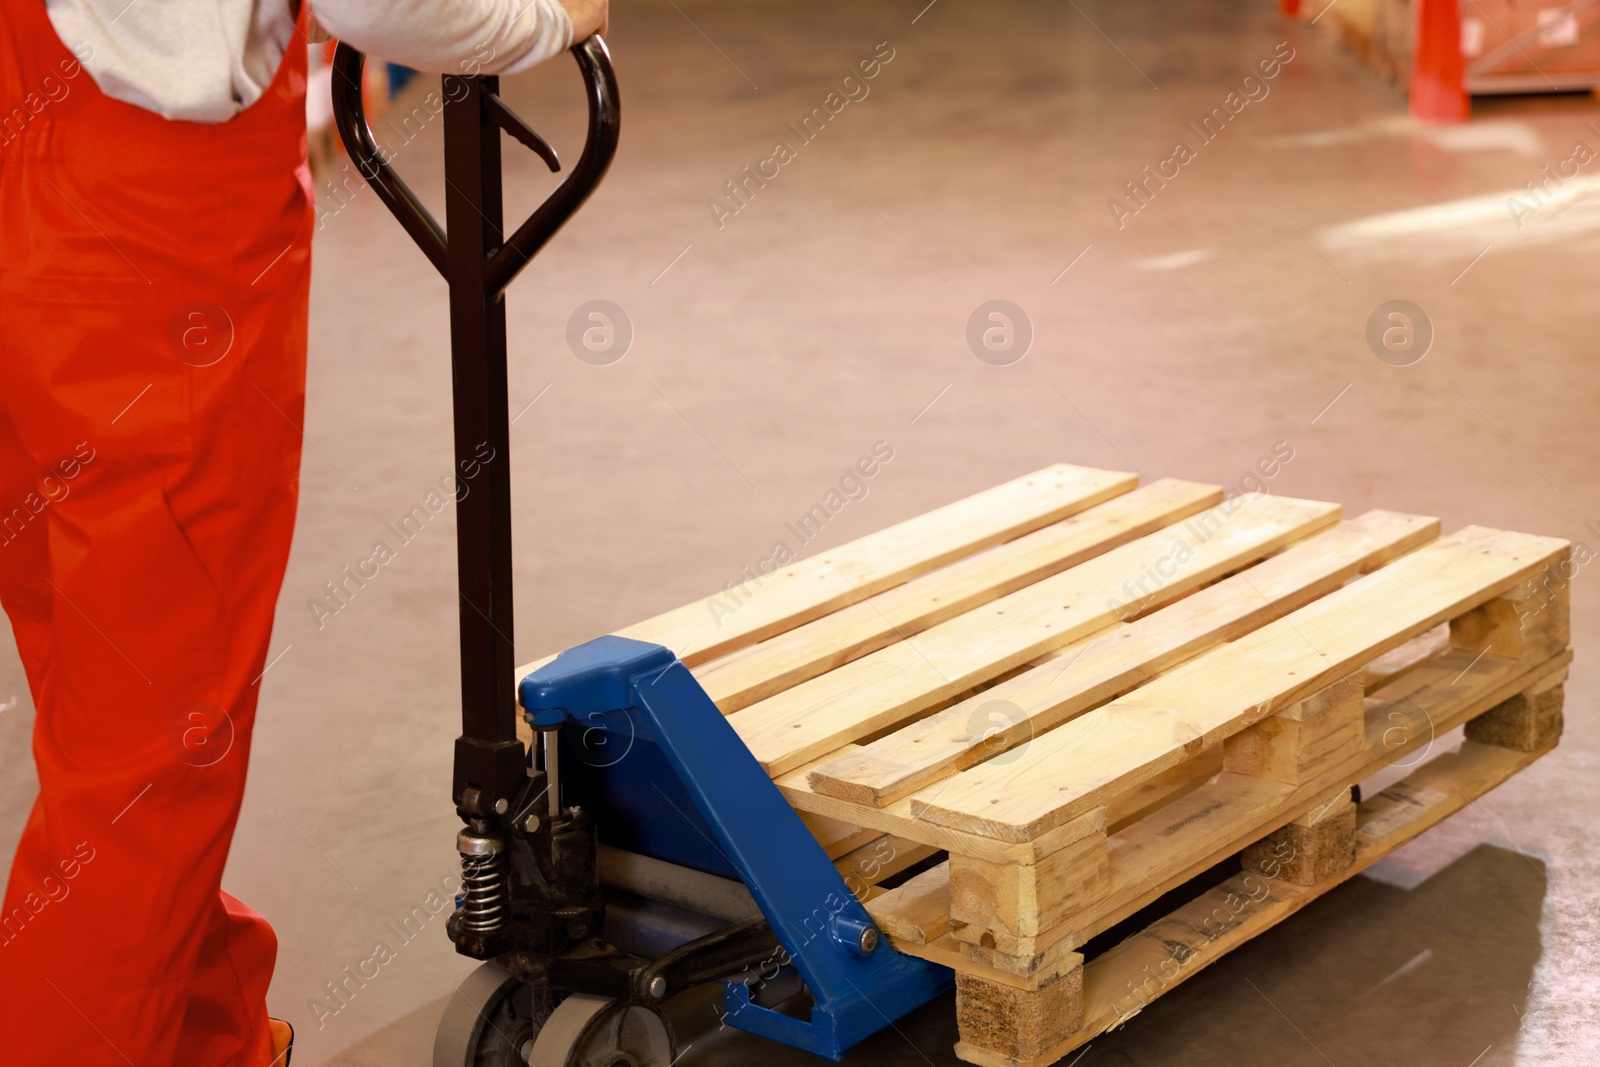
point(639, 850)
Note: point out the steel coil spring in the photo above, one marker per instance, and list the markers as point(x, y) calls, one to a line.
point(483, 886)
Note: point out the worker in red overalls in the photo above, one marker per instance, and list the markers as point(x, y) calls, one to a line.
point(156, 214)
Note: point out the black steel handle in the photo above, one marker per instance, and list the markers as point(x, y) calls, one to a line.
point(605, 124)
point(478, 261)
point(350, 116)
point(600, 146)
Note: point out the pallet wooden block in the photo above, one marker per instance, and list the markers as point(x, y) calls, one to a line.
point(1019, 720)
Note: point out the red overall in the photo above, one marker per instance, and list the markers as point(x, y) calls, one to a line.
point(154, 279)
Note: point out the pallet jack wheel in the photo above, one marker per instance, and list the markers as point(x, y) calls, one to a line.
point(588, 1031)
point(492, 1021)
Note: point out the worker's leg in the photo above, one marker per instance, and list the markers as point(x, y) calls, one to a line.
point(144, 717)
point(154, 280)
point(226, 1020)
point(141, 594)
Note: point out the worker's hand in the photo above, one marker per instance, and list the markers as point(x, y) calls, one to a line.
point(589, 17)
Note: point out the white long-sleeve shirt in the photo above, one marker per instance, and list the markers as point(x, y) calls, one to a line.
point(207, 60)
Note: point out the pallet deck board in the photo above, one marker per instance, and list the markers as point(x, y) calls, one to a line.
point(761, 670)
point(896, 818)
point(1047, 695)
point(813, 587)
point(1077, 766)
point(896, 682)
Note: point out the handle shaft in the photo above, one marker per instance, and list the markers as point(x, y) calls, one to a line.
point(478, 262)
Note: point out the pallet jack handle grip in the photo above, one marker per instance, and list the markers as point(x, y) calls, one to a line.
point(506, 262)
point(599, 147)
point(350, 117)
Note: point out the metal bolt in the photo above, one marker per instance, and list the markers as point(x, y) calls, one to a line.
point(658, 987)
point(531, 824)
point(501, 806)
point(869, 941)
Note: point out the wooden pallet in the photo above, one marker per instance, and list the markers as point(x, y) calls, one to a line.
point(1059, 700)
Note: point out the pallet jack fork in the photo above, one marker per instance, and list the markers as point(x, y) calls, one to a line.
point(635, 774)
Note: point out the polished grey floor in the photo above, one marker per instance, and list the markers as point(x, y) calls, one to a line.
point(1227, 314)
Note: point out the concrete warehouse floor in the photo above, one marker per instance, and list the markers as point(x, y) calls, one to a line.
point(1226, 315)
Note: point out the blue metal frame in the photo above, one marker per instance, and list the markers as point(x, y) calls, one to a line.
point(640, 698)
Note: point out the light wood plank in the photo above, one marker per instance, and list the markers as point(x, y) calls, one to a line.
point(948, 952)
point(835, 835)
point(893, 684)
point(758, 671)
point(917, 910)
point(1389, 666)
point(880, 859)
point(1164, 788)
point(1014, 712)
point(896, 818)
point(813, 587)
point(1084, 762)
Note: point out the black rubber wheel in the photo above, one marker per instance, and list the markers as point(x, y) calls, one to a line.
point(588, 1031)
point(491, 1021)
